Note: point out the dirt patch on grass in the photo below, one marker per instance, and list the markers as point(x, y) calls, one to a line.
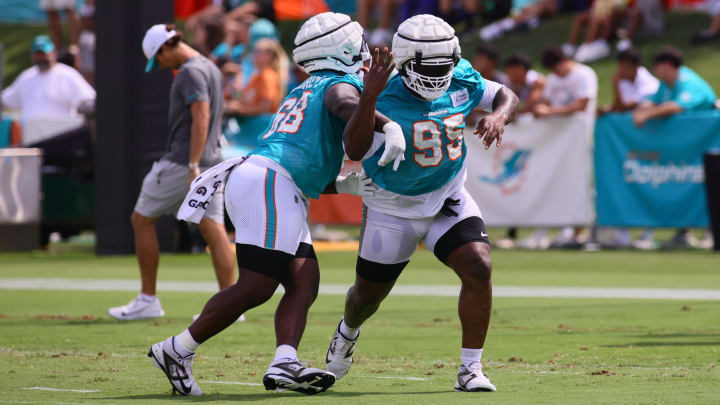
point(85, 317)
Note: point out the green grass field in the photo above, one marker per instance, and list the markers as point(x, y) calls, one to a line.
point(539, 350)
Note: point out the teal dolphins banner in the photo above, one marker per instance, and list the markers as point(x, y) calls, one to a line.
point(653, 176)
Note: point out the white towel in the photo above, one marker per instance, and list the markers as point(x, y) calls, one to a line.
point(203, 189)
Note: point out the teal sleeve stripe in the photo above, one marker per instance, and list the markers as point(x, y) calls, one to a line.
point(270, 213)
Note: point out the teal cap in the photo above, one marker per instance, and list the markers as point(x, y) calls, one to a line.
point(42, 43)
point(262, 28)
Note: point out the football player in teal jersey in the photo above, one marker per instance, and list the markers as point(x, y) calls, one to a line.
point(331, 114)
point(425, 199)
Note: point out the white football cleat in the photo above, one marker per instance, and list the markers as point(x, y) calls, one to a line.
point(138, 308)
point(339, 356)
point(472, 379)
point(288, 374)
point(177, 369)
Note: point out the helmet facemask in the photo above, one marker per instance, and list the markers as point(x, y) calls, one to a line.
point(364, 57)
point(429, 78)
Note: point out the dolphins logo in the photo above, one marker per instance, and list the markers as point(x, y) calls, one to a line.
point(511, 168)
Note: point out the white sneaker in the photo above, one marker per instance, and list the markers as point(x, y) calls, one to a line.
point(646, 244)
point(177, 369)
point(240, 319)
point(599, 49)
point(472, 379)
point(339, 356)
point(138, 308)
point(569, 49)
point(492, 31)
point(623, 45)
point(707, 241)
point(505, 243)
point(582, 52)
point(646, 241)
point(537, 240)
point(288, 374)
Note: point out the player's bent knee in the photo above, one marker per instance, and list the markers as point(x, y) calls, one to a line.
point(303, 286)
point(306, 271)
point(476, 269)
point(367, 305)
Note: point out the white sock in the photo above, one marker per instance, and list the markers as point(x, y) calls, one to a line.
point(285, 352)
point(148, 298)
point(507, 24)
point(469, 356)
point(348, 332)
point(185, 343)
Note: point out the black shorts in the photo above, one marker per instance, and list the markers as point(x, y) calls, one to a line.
point(268, 262)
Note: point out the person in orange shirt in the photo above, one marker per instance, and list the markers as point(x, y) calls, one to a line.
point(267, 85)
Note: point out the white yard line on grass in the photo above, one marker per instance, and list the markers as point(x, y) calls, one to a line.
point(59, 389)
point(2, 401)
point(64, 284)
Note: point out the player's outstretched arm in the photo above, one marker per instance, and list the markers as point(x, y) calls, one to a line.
point(492, 126)
point(358, 109)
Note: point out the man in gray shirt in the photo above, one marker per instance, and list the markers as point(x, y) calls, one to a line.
point(193, 145)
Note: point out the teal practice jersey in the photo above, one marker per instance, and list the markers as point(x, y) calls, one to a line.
point(433, 130)
point(304, 137)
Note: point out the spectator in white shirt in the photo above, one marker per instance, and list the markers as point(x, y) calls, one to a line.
point(632, 83)
point(48, 90)
point(570, 87)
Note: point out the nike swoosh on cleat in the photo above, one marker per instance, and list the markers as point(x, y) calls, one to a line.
point(178, 367)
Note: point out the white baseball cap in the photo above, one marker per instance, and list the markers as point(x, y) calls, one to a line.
point(155, 37)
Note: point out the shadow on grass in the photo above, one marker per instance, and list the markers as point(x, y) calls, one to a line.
point(34, 322)
point(258, 396)
point(668, 344)
point(698, 335)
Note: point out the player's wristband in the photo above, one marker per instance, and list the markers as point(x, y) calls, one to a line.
point(193, 166)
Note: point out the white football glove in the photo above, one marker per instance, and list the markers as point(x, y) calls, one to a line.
point(394, 145)
point(356, 184)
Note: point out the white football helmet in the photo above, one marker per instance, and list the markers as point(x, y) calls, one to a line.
point(331, 41)
point(426, 51)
